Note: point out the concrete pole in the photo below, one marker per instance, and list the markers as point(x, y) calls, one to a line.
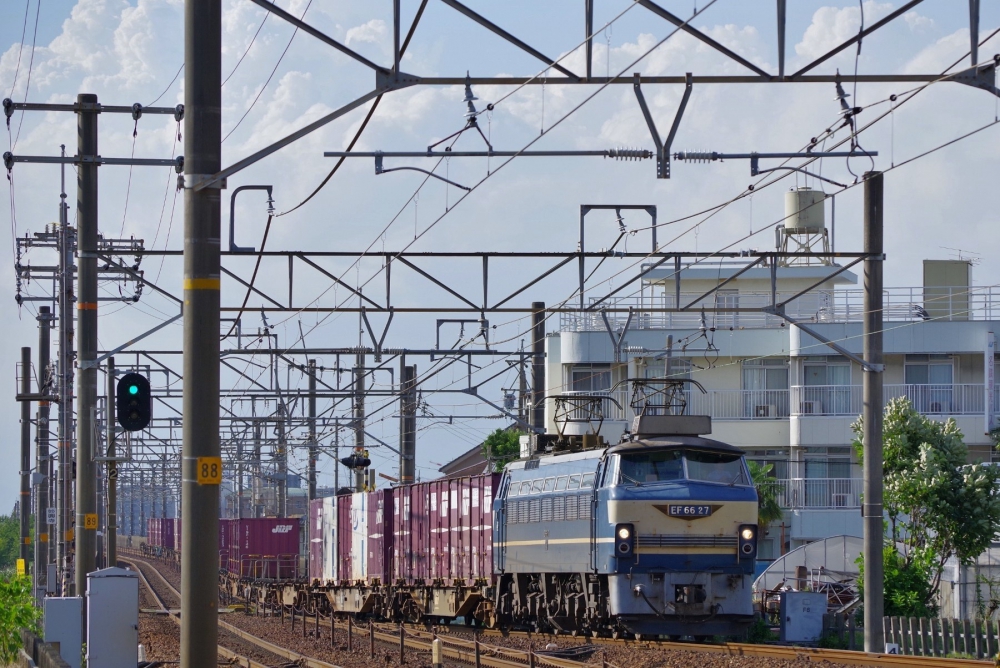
point(872, 415)
point(64, 487)
point(313, 448)
point(407, 424)
point(538, 366)
point(86, 350)
point(201, 445)
point(281, 491)
point(112, 526)
point(43, 464)
point(24, 505)
point(359, 420)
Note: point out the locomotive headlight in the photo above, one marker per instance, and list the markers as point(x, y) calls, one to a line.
point(747, 539)
point(624, 540)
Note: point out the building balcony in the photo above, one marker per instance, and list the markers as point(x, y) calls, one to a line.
point(846, 400)
point(818, 493)
point(801, 401)
point(907, 304)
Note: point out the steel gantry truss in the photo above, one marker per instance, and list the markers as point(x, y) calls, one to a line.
point(278, 414)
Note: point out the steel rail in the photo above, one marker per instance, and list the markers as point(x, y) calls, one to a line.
point(232, 656)
point(283, 652)
point(847, 657)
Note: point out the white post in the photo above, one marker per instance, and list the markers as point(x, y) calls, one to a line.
point(988, 379)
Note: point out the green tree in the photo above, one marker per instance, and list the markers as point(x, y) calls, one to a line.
point(501, 447)
point(768, 508)
point(938, 506)
point(907, 584)
point(10, 540)
point(17, 611)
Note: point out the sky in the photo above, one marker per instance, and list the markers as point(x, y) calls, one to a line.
point(276, 81)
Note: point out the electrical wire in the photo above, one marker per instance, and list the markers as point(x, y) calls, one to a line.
point(249, 46)
point(271, 76)
point(178, 73)
point(20, 44)
point(31, 62)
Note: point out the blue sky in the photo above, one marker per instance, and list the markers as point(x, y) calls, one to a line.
point(129, 50)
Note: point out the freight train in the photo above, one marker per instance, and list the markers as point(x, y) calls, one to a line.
point(653, 536)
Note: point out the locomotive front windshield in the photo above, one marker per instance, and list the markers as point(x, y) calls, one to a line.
point(665, 465)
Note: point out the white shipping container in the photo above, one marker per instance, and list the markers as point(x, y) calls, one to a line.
point(329, 533)
point(359, 536)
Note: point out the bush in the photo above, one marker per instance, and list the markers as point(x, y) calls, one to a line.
point(17, 611)
point(760, 633)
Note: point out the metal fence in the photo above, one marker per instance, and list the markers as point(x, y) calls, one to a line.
point(846, 400)
point(940, 637)
point(818, 492)
point(905, 304)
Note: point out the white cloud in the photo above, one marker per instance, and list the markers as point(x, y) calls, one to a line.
point(373, 31)
point(832, 26)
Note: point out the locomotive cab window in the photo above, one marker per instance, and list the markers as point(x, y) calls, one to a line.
point(715, 467)
point(574, 481)
point(588, 481)
point(642, 467)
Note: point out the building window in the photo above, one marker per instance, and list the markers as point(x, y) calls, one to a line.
point(591, 378)
point(765, 388)
point(929, 381)
point(827, 388)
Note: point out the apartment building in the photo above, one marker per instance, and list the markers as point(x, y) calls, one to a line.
point(771, 388)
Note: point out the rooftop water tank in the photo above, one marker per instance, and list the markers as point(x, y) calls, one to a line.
point(804, 210)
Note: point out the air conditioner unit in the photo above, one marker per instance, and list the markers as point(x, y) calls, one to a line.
point(811, 408)
point(765, 411)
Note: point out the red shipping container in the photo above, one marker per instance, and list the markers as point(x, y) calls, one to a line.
point(352, 535)
point(152, 532)
point(177, 533)
point(444, 529)
point(380, 535)
point(315, 533)
point(263, 548)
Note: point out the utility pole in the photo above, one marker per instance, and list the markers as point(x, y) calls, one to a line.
point(359, 420)
point(313, 449)
point(43, 463)
point(86, 314)
point(538, 366)
point(201, 450)
point(112, 526)
point(25, 503)
point(407, 423)
point(64, 488)
point(872, 416)
point(281, 492)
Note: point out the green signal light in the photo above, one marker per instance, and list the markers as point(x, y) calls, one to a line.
point(133, 389)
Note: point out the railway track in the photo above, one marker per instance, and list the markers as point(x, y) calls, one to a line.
point(812, 654)
point(459, 647)
point(281, 655)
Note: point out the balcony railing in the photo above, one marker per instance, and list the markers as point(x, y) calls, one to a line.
point(846, 400)
point(908, 304)
point(818, 492)
point(807, 400)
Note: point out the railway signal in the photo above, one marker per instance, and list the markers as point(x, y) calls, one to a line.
point(134, 402)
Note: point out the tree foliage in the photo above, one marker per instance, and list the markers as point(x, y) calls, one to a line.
point(10, 541)
point(16, 612)
point(768, 508)
point(501, 447)
point(938, 506)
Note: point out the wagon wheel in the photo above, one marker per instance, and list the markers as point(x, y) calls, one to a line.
point(411, 611)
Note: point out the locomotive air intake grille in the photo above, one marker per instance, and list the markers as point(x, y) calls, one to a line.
point(682, 540)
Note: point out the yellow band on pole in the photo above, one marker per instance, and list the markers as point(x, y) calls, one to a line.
point(201, 283)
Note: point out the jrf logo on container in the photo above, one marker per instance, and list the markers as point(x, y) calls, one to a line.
point(282, 528)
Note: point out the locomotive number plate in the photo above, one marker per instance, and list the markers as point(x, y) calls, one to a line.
point(689, 511)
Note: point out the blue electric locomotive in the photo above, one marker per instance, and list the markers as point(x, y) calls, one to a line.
point(656, 535)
